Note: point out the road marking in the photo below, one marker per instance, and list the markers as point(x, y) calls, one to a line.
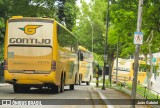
point(108, 104)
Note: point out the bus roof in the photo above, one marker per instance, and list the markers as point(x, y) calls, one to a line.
point(82, 48)
point(43, 18)
point(21, 17)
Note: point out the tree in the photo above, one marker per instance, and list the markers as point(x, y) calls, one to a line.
point(35, 8)
point(151, 30)
point(92, 17)
point(67, 11)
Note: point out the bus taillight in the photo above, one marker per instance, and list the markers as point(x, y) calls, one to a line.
point(53, 66)
point(5, 65)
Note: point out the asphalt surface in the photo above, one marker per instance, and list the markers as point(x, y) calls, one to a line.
point(82, 97)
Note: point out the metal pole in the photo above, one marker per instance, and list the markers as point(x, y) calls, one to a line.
point(92, 31)
point(105, 48)
point(117, 60)
point(136, 58)
point(92, 35)
point(92, 38)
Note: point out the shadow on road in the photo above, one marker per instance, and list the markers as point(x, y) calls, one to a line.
point(39, 91)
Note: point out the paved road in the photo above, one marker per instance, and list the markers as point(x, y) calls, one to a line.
point(80, 93)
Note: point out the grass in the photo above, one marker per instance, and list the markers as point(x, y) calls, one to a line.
point(141, 90)
point(146, 93)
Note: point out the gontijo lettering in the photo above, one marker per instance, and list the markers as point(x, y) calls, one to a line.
point(29, 41)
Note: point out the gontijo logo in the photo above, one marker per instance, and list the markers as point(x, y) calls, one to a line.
point(30, 29)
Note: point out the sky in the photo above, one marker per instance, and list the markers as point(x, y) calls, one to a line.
point(79, 4)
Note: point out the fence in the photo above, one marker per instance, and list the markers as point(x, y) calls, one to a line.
point(141, 89)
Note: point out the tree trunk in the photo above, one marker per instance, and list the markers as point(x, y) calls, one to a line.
point(146, 59)
point(151, 68)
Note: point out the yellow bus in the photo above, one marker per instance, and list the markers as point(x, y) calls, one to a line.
point(39, 52)
point(85, 66)
point(142, 72)
point(126, 69)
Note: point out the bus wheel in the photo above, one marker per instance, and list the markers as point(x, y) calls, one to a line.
point(80, 79)
point(76, 80)
point(26, 89)
point(55, 89)
point(88, 83)
point(16, 88)
point(71, 87)
point(62, 84)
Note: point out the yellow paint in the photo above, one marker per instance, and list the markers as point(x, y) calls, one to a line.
point(31, 29)
point(85, 66)
point(141, 75)
point(17, 17)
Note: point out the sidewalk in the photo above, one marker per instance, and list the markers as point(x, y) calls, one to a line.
point(4, 84)
point(112, 97)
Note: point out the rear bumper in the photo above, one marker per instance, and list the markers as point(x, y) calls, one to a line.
point(30, 79)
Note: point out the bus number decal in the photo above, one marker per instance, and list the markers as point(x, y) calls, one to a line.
point(43, 62)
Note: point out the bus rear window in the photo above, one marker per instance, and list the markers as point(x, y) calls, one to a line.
point(29, 58)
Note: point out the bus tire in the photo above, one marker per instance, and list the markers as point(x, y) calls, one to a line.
point(21, 88)
point(26, 89)
point(76, 79)
point(80, 79)
point(62, 83)
point(55, 89)
point(71, 87)
point(88, 83)
point(16, 88)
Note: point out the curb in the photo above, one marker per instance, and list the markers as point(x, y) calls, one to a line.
point(108, 104)
point(4, 84)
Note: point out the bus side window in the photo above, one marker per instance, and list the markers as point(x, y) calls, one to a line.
point(133, 66)
point(81, 56)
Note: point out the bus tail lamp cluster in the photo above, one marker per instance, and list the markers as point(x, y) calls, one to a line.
point(5, 65)
point(53, 66)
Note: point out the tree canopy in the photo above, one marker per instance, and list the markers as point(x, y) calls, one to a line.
point(63, 11)
point(88, 21)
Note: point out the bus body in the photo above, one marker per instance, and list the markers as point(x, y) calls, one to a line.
point(85, 66)
point(126, 69)
point(39, 52)
point(142, 72)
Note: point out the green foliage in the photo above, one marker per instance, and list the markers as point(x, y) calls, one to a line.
point(2, 30)
point(144, 91)
point(35, 8)
point(123, 25)
point(99, 59)
point(67, 12)
point(92, 23)
point(151, 22)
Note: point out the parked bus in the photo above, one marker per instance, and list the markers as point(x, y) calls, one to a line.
point(157, 74)
point(126, 69)
point(142, 72)
point(85, 66)
point(39, 52)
